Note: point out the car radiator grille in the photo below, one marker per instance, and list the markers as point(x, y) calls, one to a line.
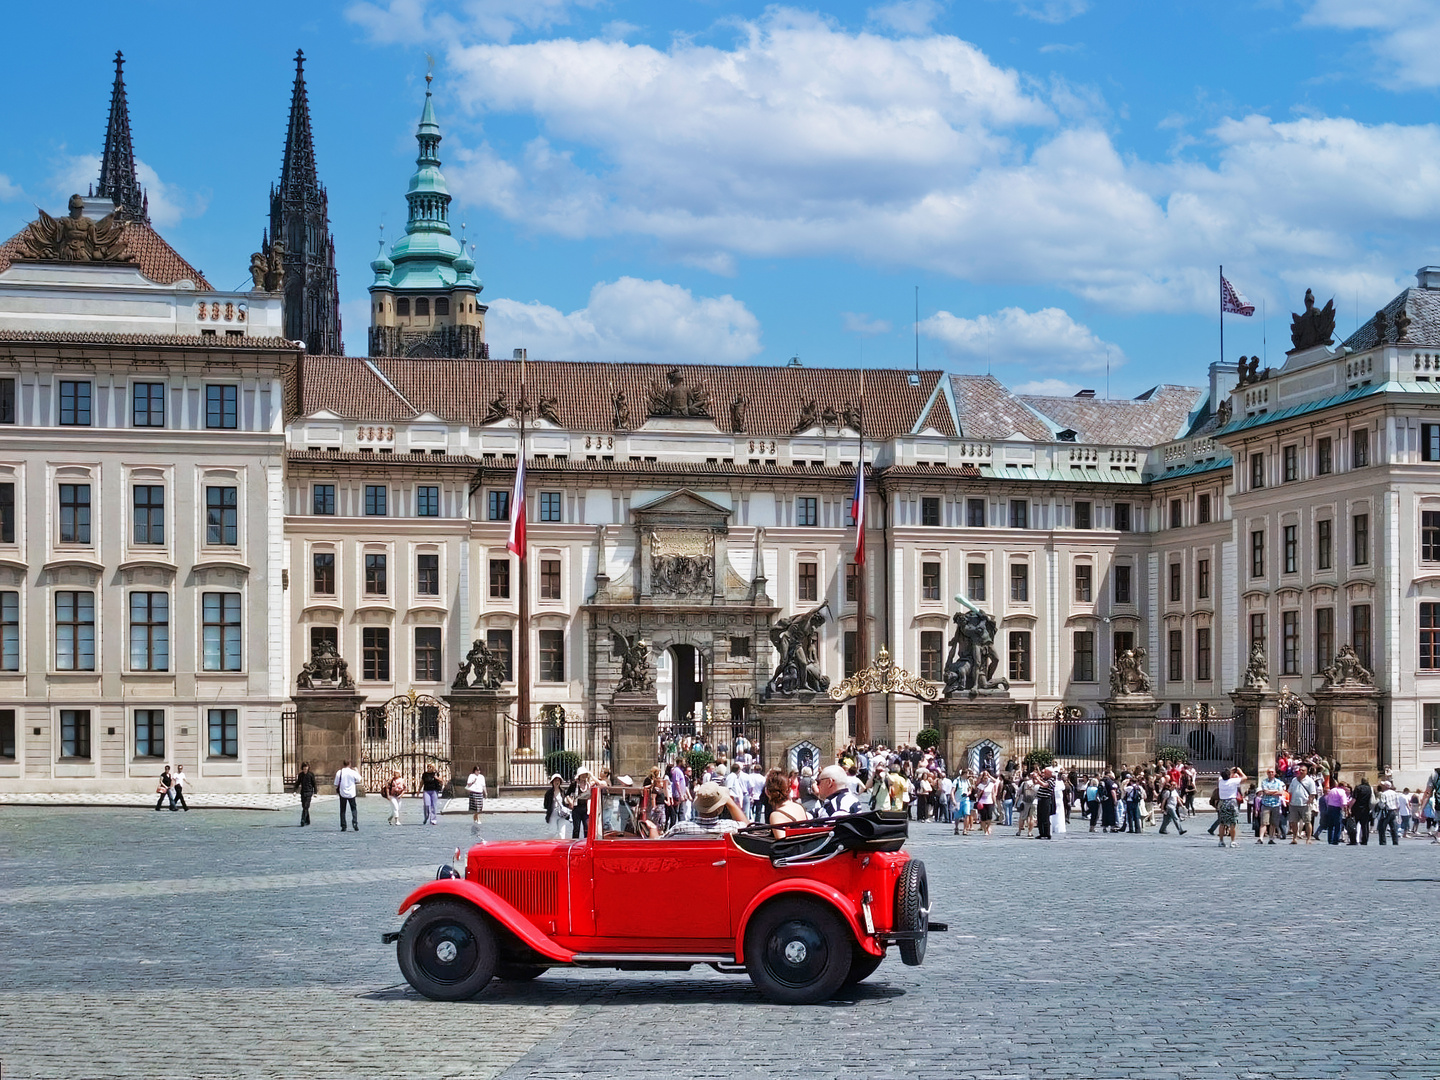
point(529, 891)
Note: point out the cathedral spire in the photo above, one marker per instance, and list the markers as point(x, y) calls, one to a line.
point(118, 181)
point(297, 172)
point(300, 220)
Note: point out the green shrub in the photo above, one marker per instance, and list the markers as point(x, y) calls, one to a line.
point(564, 762)
point(1172, 755)
point(928, 739)
point(1041, 757)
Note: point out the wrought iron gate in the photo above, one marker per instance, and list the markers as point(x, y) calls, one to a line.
point(406, 735)
point(1207, 738)
point(731, 739)
point(558, 741)
point(289, 765)
point(1295, 724)
point(1077, 741)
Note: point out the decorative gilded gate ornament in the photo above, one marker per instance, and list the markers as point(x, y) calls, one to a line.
point(883, 677)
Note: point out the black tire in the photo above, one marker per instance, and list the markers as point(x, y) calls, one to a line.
point(446, 950)
point(912, 911)
point(797, 951)
point(862, 966)
point(519, 972)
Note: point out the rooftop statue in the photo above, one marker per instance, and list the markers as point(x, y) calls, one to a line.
point(1313, 326)
point(75, 238)
point(679, 398)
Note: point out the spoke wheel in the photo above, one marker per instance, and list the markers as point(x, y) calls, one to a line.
point(446, 950)
point(912, 911)
point(798, 952)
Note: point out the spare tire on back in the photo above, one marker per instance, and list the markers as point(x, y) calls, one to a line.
point(912, 912)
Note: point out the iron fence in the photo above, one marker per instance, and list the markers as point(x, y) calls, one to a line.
point(557, 741)
point(1077, 741)
point(1208, 741)
point(408, 734)
point(1295, 725)
point(731, 739)
point(289, 754)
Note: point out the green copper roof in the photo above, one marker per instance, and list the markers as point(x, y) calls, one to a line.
point(427, 258)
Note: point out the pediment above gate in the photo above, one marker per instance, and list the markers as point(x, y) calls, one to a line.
point(682, 508)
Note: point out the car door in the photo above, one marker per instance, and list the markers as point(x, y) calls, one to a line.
point(671, 894)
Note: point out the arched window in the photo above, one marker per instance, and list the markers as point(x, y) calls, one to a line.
point(422, 305)
point(442, 305)
point(402, 306)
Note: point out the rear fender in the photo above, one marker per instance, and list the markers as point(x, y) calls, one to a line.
point(497, 908)
point(806, 887)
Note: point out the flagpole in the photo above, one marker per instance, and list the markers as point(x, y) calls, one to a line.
point(862, 593)
point(522, 681)
point(1222, 313)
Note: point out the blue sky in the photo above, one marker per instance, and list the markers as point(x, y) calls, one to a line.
point(735, 182)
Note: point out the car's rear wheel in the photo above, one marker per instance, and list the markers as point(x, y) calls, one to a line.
point(797, 951)
point(519, 972)
point(862, 966)
point(446, 950)
point(912, 911)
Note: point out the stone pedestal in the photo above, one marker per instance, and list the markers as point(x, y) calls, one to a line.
point(968, 723)
point(1347, 730)
point(477, 736)
point(327, 731)
point(1131, 739)
point(1257, 722)
point(634, 734)
point(798, 724)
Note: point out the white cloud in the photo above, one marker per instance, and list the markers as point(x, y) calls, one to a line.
point(864, 325)
point(8, 190)
point(168, 203)
point(906, 16)
point(1048, 388)
point(802, 139)
point(1404, 36)
point(1052, 11)
point(418, 22)
point(1040, 341)
point(629, 320)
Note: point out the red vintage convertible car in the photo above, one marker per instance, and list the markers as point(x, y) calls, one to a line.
point(803, 915)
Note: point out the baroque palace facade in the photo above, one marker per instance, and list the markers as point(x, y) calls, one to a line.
point(191, 501)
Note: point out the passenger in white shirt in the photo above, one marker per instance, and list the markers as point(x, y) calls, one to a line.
point(346, 782)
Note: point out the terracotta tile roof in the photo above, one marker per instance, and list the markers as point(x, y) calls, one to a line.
point(939, 417)
point(1159, 415)
point(58, 337)
point(988, 410)
point(156, 259)
point(375, 458)
point(1423, 307)
point(459, 391)
point(346, 386)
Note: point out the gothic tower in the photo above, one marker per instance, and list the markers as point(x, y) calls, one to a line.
point(118, 181)
point(300, 219)
point(425, 297)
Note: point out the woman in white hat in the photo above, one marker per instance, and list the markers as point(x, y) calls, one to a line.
point(557, 817)
point(577, 798)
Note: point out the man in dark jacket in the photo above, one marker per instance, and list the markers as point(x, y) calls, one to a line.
point(305, 784)
point(431, 787)
point(1360, 810)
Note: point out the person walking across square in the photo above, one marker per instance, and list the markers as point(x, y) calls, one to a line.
point(347, 781)
point(178, 791)
point(305, 784)
point(431, 787)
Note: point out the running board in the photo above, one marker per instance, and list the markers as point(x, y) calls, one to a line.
point(653, 958)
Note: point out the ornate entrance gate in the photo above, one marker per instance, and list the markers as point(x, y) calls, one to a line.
point(405, 735)
point(1295, 724)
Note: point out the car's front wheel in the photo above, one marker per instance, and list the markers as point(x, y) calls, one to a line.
point(446, 950)
point(797, 951)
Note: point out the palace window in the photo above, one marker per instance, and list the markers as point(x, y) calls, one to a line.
point(75, 733)
point(149, 733)
point(1202, 508)
point(375, 653)
point(1361, 550)
point(9, 631)
point(74, 631)
point(221, 631)
point(499, 579)
point(149, 513)
point(1360, 632)
point(1020, 582)
point(930, 581)
point(975, 513)
point(147, 404)
point(322, 573)
point(739, 648)
point(1020, 656)
point(1324, 638)
point(221, 406)
point(498, 506)
point(1084, 670)
point(1019, 514)
point(1257, 553)
point(7, 405)
point(324, 496)
point(375, 500)
point(1202, 654)
point(1122, 517)
point(1257, 470)
point(427, 574)
point(1177, 513)
point(501, 644)
point(1202, 578)
point(442, 305)
point(422, 306)
point(1124, 593)
point(222, 516)
point(375, 574)
point(427, 654)
point(1084, 590)
point(74, 513)
point(427, 501)
point(1429, 636)
point(1324, 544)
point(7, 513)
point(932, 655)
point(550, 579)
point(1289, 643)
point(1175, 669)
point(1360, 448)
point(1291, 549)
point(1083, 515)
point(1291, 458)
point(807, 510)
point(550, 506)
point(1324, 457)
point(929, 511)
point(149, 631)
point(852, 583)
point(1430, 535)
point(1175, 584)
point(1257, 630)
point(808, 581)
point(1429, 732)
point(975, 581)
point(402, 306)
point(552, 656)
point(75, 404)
point(224, 732)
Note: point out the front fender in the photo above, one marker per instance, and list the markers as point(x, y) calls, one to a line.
point(838, 900)
point(493, 905)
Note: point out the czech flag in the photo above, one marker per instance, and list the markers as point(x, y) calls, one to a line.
point(857, 511)
point(516, 544)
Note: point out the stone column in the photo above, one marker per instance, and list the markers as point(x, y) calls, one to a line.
point(1131, 740)
point(1347, 729)
point(634, 734)
point(963, 722)
point(327, 731)
point(1257, 721)
point(787, 722)
point(477, 736)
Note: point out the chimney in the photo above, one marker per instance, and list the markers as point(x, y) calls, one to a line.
point(1428, 277)
point(519, 354)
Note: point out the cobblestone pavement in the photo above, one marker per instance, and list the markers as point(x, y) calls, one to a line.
point(218, 943)
point(508, 804)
